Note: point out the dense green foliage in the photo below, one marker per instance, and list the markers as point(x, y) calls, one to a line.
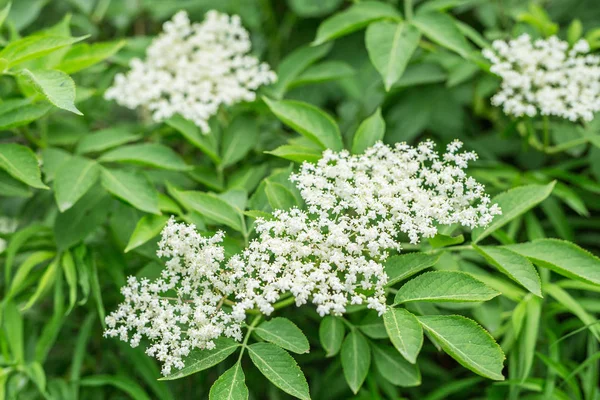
point(507, 311)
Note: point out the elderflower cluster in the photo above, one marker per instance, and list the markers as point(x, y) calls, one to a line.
point(182, 309)
point(193, 69)
point(331, 255)
point(546, 77)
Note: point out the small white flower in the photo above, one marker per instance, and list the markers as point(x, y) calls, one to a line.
point(193, 69)
point(545, 77)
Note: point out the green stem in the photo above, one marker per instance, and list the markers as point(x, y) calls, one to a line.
point(284, 303)
point(251, 327)
point(546, 132)
point(408, 9)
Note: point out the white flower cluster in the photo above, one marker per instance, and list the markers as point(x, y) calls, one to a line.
point(331, 255)
point(193, 69)
point(546, 77)
point(181, 310)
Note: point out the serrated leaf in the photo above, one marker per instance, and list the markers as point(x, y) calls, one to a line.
point(238, 139)
point(73, 179)
point(513, 265)
point(354, 18)
point(444, 286)
point(440, 240)
point(280, 197)
point(309, 121)
point(212, 207)
point(206, 143)
point(230, 386)
point(467, 342)
point(199, 360)
point(56, 86)
point(148, 154)
point(404, 266)
point(323, 72)
point(34, 46)
point(390, 46)
point(105, 139)
point(297, 153)
point(441, 29)
point(372, 326)
point(21, 163)
point(280, 368)
point(405, 332)
point(331, 334)
point(356, 359)
point(369, 132)
point(132, 187)
point(563, 257)
point(293, 64)
point(22, 115)
point(395, 368)
point(514, 203)
point(85, 55)
point(284, 333)
point(147, 227)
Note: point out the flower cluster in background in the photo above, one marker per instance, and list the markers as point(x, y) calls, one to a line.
point(193, 69)
point(546, 77)
point(359, 207)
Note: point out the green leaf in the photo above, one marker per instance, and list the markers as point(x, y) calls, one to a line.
point(369, 132)
point(238, 139)
point(356, 359)
point(230, 386)
point(527, 342)
point(514, 203)
point(4, 12)
point(19, 280)
point(280, 197)
point(372, 326)
point(76, 223)
point(440, 240)
point(35, 46)
point(394, 368)
point(199, 360)
point(405, 332)
point(564, 298)
point(562, 257)
point(148, 154)
point(84, 55)
point(22, 115)
point(513, 265)
point(105, 139)
point(293, 64)
point(13, 327)
point(404, 266)
point(73, 179)
point(284, 333)
point(11, 187)
point(280, 368)
point(297, 153)
point(21, 163)
point(467, 342)
point(132, 187)
point(44, 284)
point(70, 271)
point(323, 72)
point(390, 46)
point(56, 86)
point(354, 18)
point(313, 8)
point(444, 286)
point(331, 334)
point(148, 227)
point(192, 134)
point(441, 29)
point(309, 121)
point(213, 207)
point(120, 382)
